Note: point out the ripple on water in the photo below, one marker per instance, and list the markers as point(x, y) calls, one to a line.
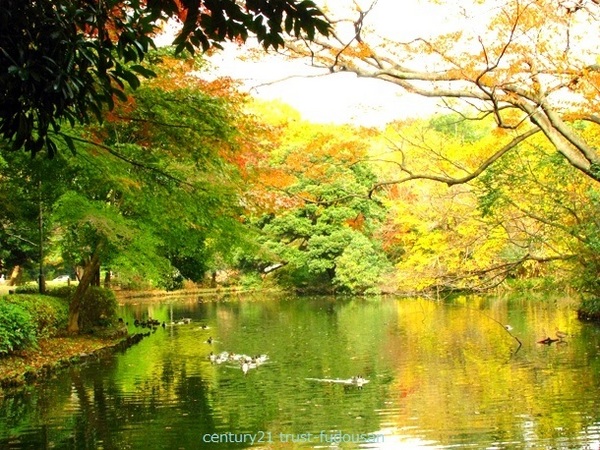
point(441, 377)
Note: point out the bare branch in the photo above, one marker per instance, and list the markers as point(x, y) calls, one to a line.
point(474, 174)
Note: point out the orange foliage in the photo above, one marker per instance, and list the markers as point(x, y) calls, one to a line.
point(356, 223)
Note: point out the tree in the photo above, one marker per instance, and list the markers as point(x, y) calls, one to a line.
point(548, 212)
point(531, 65)
point(318, 224)
point(153, 191)
point(66, 61)
point(473, 236)
point(28, 189)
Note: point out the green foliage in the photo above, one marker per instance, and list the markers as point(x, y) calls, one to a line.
point(17, 330)
point(26, 192)
point(359, 267)
point(251, 281)
point(27, 289)
point(332, 220)
point(300, 279)
point(457, 127)
point(590, 308)
point(588, 230)
point(77, 56)
point(99, 308)
point(47, 314)
point(62, 292)
point(171, 282)
point(67, 69)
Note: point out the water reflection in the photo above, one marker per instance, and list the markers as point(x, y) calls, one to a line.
point(441, 374)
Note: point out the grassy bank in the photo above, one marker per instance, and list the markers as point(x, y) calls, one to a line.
point(52, 354)
point(32, 333)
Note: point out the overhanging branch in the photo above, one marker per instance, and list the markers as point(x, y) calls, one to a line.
point(462, 180)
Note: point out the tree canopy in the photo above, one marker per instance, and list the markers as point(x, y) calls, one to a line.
point(66, 61)
point(531, 65)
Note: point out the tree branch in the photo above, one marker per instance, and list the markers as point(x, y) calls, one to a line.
point(453, 181)
point(128, 160)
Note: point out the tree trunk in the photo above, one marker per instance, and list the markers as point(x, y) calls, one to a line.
point(15, 276)
point(107, 279)
point(96, 279)
point(90, 271)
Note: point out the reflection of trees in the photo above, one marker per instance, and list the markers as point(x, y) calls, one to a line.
point(92, 426)
point(304, 338)
point(107, 415)
point(426, 360)
point(456, 363)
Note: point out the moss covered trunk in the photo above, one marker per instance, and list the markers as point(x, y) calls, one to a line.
point(90, 271)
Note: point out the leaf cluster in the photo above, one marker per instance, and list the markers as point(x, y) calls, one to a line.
point(328, 219)
point(206, 23)
point(67, 61)
point(17, 330)
point(99, 308)
point(48, 314)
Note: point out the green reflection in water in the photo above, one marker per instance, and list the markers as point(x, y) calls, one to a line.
point(442, 373)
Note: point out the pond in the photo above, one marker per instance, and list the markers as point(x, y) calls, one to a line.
point(434, 374)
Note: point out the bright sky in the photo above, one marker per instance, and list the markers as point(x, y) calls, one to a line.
point(319, 96)
point(342, 97)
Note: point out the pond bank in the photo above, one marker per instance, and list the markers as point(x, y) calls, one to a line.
point(125, 295)
point(55, 353)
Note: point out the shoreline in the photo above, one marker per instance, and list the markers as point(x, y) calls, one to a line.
point(57, 353)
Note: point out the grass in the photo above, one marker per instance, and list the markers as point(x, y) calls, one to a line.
point(49, 283)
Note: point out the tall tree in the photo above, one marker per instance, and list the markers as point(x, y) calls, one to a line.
point(318, 224)
point(154, 189)
point(28, 189)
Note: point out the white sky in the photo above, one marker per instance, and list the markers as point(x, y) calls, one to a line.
point(341, 97)
point(319, 96)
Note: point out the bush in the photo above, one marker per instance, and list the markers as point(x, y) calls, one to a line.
point(589, 309)
point(99, 308)
point(360, 267)
point(48, 315)
point(17, 329)
point(251, 280)
point(64, 292)
point(27, 289)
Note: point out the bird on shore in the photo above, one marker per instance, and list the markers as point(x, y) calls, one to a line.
point(359, 380)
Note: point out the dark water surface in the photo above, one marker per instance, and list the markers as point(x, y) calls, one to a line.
point(442, 374)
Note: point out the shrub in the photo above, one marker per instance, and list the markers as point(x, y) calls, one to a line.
point(27, 289)
point(17, 329)
point(99, 308)
point(48, 315)
point(589, 309)
point(64, 292)
point(360, 267)
point(251, 280)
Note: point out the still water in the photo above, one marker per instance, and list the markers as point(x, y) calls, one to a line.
point(441, 374)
